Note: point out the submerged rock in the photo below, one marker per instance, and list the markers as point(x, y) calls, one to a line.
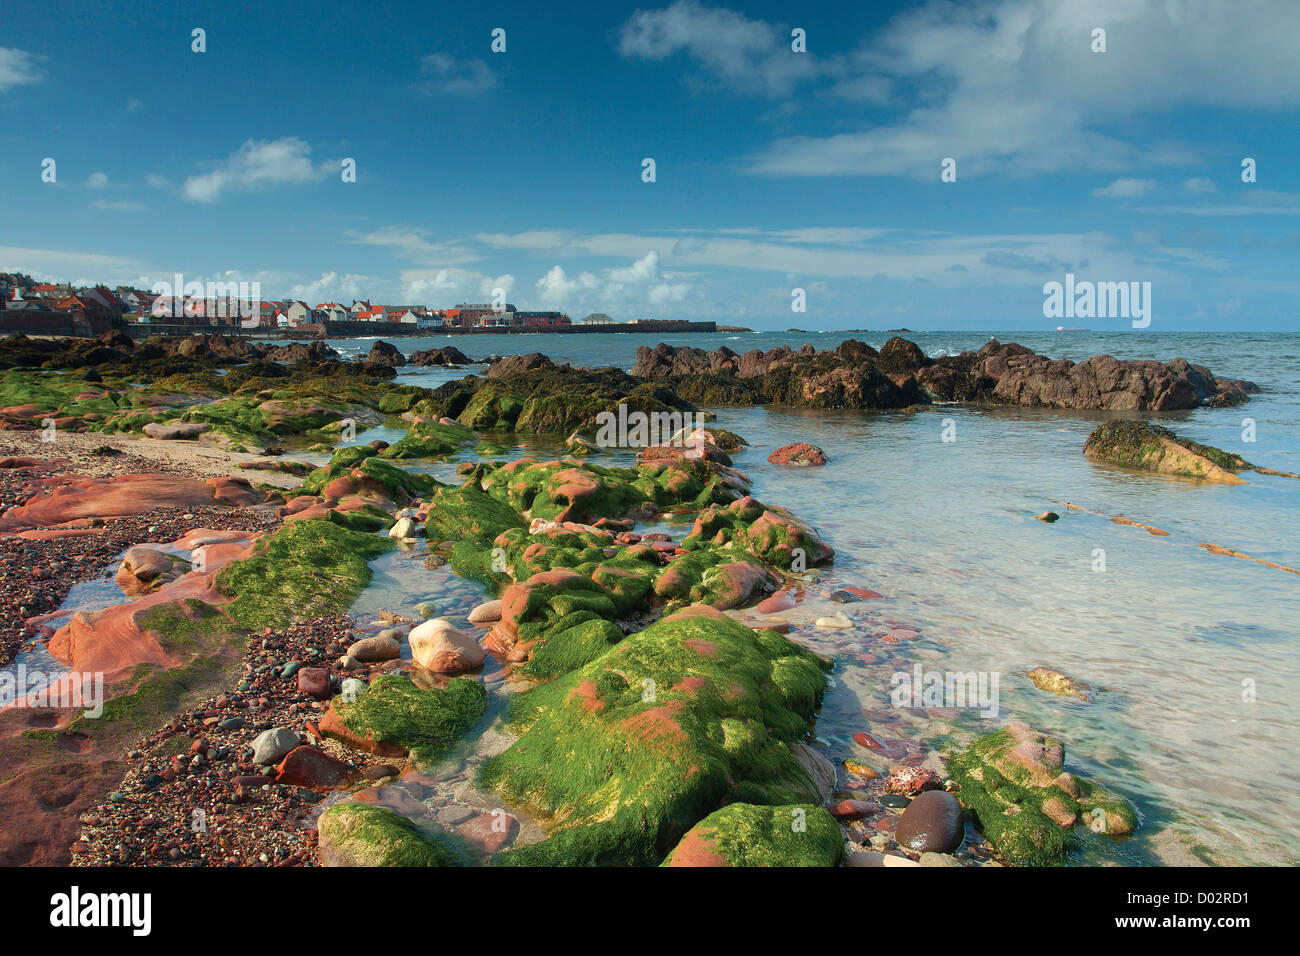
point(1015, 783)
point(1152, 448)
point(1055, 682)
point(800, 453)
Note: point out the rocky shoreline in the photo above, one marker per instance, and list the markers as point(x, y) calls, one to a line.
point(647, 694)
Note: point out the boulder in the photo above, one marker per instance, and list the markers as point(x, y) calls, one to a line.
point(932, 822)
point(437, 646)
point(272, 746)
point(369, 650)
point(799, 453)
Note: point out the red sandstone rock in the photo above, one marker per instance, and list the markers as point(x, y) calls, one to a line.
point(800, 453)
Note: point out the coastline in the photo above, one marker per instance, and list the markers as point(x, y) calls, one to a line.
point(858, 801)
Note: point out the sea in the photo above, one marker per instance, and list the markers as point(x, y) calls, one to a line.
point(1194, 656)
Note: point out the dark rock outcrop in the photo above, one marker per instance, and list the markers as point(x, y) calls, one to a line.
point(448, 355)
point(382, 353)
point(854, 375)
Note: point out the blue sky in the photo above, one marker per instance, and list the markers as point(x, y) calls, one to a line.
point(775, 170)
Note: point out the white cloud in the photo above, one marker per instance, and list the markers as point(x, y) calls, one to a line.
point(1012, 85)
point(746, 54)
point(97, 180)
point(17, 67)
point(1199, 184)
point(1125, 189)
point(443, 74)
point(412, 244)
point(258, 164)
point(333, 287)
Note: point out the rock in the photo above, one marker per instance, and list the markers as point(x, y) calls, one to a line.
point(425, 609)
point(782, 600)
point(517, 364)
point(402, 528)
point(489, 612)
point(1152, 448)
point(932, 822)
point(147, 569)
point(396, 718)
point(939, 859)
point(314, 682)
point(359, 834)
point(490, 831)
point(834, 622)
point(441, 648)
point(381, 353)
point(175, 432)
point(1055, 682)
point(351, 688)
point(272, 746)
point(311, 767)
point(909, 781)
point(378, 648)
point(799, 454)
point(900, 355)
point(742, 834)
point(447, 355)
point(844, 596)
point(1047, 516)
point(821, 770)
point(876, 858)
point(1014, 783)
point(854, 809)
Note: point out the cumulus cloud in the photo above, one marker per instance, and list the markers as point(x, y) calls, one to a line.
point(258, 164)
point(1013, 85)
point(442, 73)
point(17, 67)
point(747, 55)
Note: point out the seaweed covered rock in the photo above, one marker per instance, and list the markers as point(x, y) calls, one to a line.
point(429, 440)
point(355, 470)
point(532, 394)
point(800, 453)
point(362, 834)
point(1152, 448)
point(626, 754)
point(304, 570)
point(1015, 784)
point(743, 834)
point(772, 534)
point(396, 718)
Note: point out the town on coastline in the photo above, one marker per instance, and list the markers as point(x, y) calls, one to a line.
point(39, 308)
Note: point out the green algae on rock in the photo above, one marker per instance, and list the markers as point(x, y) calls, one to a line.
point(627, 753)
point(1152, 448)
point(394, 716)
point(430, 440)
point(307, 568)
point(772, 534)
point(743, 834)
point(361, 834)
point(1015, 783)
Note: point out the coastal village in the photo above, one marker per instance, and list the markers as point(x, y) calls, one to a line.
point(21, 293)
point(66, 308)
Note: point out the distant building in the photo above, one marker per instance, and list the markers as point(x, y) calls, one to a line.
point(597, 318)
point(538, 320)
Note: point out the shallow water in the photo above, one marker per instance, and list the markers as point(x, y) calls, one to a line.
point(1174, 637)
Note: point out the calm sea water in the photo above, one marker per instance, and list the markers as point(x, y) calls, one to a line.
point(1195, 654)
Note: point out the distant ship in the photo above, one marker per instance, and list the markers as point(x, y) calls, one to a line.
point(1061, 328)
